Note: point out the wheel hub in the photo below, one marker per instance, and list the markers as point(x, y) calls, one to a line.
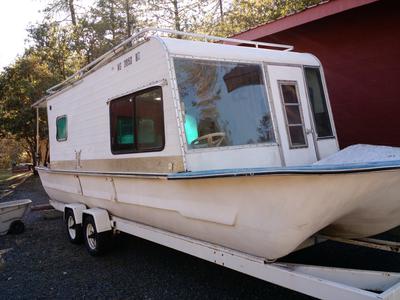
point(90, 236)
point(71, 227)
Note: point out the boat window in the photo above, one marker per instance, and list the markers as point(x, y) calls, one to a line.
point(224, 103)
point(293, 115)
point(122, 125)
point(61, 128)
point(318, 102)
point(137, 123)
point(149, 120)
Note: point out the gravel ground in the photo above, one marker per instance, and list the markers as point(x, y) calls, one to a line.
point(41, 263)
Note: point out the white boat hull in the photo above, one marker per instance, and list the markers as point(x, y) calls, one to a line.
point(12, 211)
point(263, 215)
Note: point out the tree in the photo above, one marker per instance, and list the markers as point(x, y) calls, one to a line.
point(105, 25)
point(221, 10)
point(21, 84)
point(131, 19)
point(245, 14)
point(57, 46)
point(181, 15)
point(57, 6)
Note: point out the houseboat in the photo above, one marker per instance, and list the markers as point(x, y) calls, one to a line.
point(210, 140)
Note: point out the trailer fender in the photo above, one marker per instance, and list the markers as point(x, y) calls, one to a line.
point(101, 218)
point(57, 205)
point(77, 210)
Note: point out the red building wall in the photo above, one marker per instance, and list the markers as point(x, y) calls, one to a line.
point(360, 52)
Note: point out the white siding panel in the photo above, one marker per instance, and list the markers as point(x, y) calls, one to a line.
point(235, 158)
point(85, 105)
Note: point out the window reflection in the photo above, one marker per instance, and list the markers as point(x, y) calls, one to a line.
point(294, 122)
point(137, 123)
point(225, 103)
point(61, 126)
point(318, 102)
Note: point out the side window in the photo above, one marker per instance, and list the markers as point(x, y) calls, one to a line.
point(62, 128)
point(137, 123)
point(122, 125)
point(293, 115)
point(318, 102)
point(149, 120)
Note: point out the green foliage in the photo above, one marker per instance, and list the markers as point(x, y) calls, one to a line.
point(104, 26)
point(182, 15)
point(246, 14)
point(55, 46)
point(20, 85)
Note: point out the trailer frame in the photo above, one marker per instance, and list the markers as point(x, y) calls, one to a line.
point(317, 281)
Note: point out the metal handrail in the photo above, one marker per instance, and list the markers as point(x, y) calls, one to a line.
point(217, 38)
point(145, 31)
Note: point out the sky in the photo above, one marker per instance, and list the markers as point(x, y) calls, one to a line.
point(15, 17)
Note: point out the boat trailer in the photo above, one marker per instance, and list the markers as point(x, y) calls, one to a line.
point(367, 242)
point(316, 281)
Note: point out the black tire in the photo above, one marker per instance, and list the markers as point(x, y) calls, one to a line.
point(16, 227)
point(96, 243)
point(73, 230)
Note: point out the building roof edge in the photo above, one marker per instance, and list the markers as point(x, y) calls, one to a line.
point(318, 11)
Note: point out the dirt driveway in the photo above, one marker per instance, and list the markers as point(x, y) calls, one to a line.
point(41, 263)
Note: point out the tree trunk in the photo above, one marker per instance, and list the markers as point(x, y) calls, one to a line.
point(112, 21)
point(72, 11)
point(128, 19)
point(221, 10)
point(177, 18)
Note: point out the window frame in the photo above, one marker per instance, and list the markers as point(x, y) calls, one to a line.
point(327, 103)
point(66, 126)
point(135, 120)
point(296, 84)
point(268, 103)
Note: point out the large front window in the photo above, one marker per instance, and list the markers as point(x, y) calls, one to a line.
point(224, 103)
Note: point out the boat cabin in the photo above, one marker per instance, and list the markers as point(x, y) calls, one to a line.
point(167, 105)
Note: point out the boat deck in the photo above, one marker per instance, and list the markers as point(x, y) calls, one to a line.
point(305, 169)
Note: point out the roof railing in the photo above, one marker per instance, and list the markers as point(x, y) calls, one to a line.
point(153, 31)
point(207, 37)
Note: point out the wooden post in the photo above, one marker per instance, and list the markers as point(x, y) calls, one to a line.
point(37, 136)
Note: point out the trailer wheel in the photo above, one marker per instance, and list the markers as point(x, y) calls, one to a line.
point(74, 231)
point(97, 243)
point(16, 227)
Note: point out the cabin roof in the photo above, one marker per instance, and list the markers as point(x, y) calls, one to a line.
point(234, 52)
point(229, 49)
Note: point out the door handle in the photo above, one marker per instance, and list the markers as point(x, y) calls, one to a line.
point(309, 131)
